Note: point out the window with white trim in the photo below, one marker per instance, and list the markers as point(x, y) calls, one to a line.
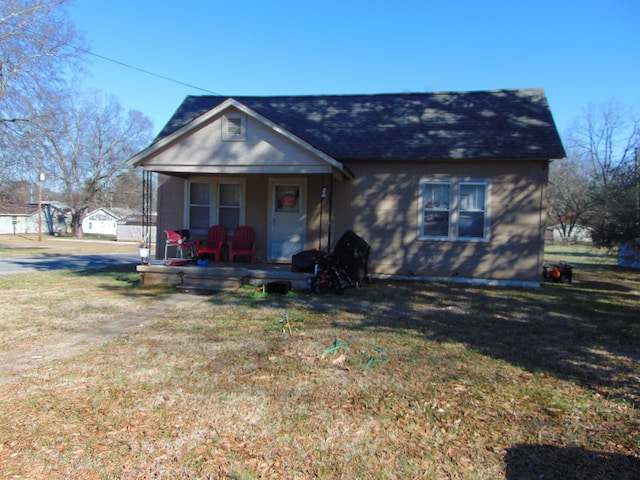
point(472, 210)
point(229, 203)
point(199, 210)
point(219, 201)
point(453, 210)
point(436, 202)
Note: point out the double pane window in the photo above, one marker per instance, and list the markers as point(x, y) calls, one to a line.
point(216, 202)
point(453, 210)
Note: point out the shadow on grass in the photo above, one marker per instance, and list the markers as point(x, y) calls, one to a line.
point(78, 263)
point(548, 462)
point(587, 332)
point(126, 274)
point(129, 281)
point(117, 266)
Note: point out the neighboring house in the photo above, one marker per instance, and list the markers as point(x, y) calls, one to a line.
point(441, 185)
point(100, 222)
point(18, 219)
point(24, 219)
point(579, 234)
point(130, 229)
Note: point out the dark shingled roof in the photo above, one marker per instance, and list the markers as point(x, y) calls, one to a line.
point(509, 124)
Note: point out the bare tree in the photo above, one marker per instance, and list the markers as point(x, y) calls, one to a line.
point(604, 139)
point(603, 144)
point(85, 147)
point(126, 191)
point(80, 142)
point(570, 195)
point(618, 209)
point(39, 49)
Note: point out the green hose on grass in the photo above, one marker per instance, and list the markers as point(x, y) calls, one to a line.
point(379, 356)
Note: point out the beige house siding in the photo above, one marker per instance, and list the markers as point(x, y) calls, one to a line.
point(381, 205)
point(257, 196)
point(203, 151)
point(172, 209)
point(204, 154)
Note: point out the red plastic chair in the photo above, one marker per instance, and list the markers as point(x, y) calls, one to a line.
point(175, 239)
point(215, 240)
point(243, 243)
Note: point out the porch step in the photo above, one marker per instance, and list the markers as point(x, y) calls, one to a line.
point(220, 277)
point(201, 290)
point(200, 283)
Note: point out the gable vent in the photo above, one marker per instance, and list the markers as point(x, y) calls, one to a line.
point(234, 127)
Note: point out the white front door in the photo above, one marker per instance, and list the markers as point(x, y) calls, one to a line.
point(287, 222)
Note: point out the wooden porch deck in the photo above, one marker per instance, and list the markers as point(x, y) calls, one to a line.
point(221, 276)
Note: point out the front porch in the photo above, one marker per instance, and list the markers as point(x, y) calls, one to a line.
point(192, 278)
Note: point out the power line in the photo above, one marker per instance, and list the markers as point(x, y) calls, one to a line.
point(126, 65)
point(146, 72)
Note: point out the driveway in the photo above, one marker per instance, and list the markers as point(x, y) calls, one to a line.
point(69, 343)
point(46, 349)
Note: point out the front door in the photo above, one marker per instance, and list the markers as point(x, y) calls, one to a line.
point(287, 222)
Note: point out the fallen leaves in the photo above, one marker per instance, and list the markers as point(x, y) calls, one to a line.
point(212, 390)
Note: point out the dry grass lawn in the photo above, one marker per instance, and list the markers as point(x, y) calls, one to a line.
point(18, 245)
point(103, 378)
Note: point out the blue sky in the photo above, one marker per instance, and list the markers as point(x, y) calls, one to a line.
point(581, 52)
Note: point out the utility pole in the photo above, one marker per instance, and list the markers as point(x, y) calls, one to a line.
point(40, 179)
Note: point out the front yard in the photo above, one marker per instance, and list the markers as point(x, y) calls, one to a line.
point(393, 380)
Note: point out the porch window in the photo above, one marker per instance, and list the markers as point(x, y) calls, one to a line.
point(216, 201)
point(199, 206)
point(229, 199)
point(453, 210)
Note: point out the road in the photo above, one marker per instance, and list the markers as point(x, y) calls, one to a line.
point(39, 263)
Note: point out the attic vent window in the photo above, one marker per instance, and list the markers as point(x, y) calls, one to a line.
point(234, 127)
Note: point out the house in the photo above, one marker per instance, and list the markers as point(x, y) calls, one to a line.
point(19, 218)
point(131, 229)
point(100, 222)
point(446, 185)
point(578, 234)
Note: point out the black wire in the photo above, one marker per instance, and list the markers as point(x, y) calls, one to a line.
point(147, 72)
point(126, 65)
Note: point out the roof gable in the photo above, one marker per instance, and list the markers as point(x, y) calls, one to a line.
point(101, 214)
point(313, 160)
point(508, 124)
